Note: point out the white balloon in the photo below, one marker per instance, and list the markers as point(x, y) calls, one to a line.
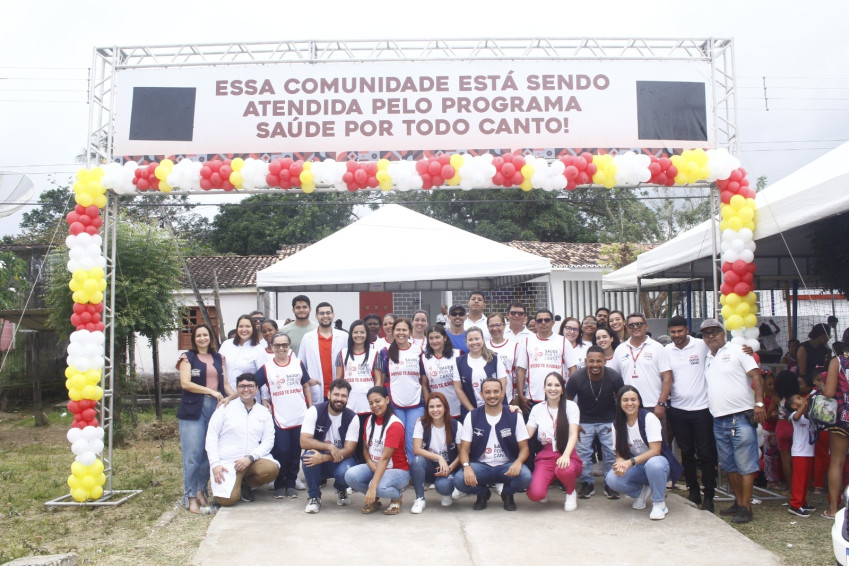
point(90, 433)
point(730, 256)
point(738, 340)
point(738, 245)
point(74, 434)
point(754, 344)
point(86, 458)
point(80, 446)
point(96, 445)
point(751, 333)
point(747, 255)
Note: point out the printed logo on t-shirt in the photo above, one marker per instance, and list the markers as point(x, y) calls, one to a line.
point(694, 359)
point(478, 432)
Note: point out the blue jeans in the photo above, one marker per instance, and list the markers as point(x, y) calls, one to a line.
point(287, 451)
point(193, 447)
point(313, 475)
point(653, 473)
point(391, 484)
point(424, 470)
point(736, 444)
point(409, 418)
point(591, 431)
point(487, 475)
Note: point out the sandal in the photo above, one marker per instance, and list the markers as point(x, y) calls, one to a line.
point(394, 507)
point(827, 515)
point(369, 509)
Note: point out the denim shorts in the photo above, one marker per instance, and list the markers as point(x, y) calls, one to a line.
point(736, 444)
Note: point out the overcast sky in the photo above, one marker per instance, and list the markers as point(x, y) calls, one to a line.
point(800, 48)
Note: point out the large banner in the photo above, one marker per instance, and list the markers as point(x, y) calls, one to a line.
point(409, 106)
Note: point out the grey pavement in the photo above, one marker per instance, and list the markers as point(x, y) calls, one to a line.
point(274, 531)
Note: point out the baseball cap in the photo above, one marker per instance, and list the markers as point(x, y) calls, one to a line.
point(710, 323)
point(457, 308)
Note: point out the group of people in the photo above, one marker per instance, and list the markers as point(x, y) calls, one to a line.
point(481, 403)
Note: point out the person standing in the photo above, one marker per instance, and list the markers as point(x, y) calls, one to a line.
point(644, 363)
point(616, 323)
point(319, 350)
point(505, 349)
point(595, 387)
point(476, 315)
point(384, 341)
point(373, 325)
point(302, 324)
point(517, 316)
point(537, 356)
point(689, 416)
point(735, 399)
point(285, 380)
point(420, 324)
point(204, 386)
point(493, 450)
point(475, 366)
point(329, 437)
point(239, 441)
point(601, 315)
point(457, 330)
point(244, 352)
point(442, 317)
point(438, 365)
point(814, 352)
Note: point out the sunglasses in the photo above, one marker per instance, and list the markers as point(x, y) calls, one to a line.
point(544, 320)
point(457, 314)
point(712, 332)
point(634, 325)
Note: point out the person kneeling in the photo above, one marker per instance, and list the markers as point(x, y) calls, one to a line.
point(329, 438)
point(435, 447)
point(238, 443)
point(644, 462)
point(493, 450)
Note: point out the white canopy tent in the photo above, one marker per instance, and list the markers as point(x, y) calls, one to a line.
point(396, 249)
point(785, 215)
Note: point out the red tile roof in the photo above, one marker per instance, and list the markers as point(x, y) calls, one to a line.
point(234, 271)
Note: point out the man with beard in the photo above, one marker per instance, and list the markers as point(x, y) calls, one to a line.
point(595, 387)
point(601, 316)
point(319, 349)
point(329, 438)
point(302, 323)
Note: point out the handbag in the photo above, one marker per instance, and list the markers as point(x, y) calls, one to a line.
point(822, 411)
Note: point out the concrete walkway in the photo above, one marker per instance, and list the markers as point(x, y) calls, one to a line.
point(275, 531)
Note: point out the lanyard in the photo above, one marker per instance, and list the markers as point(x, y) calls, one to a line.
point(636, 357)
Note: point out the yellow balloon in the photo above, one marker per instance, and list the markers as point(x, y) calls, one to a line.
point(236, 179)
point(732, 300)
point(79, 494)
point(78, 469)
point(751, 298)
point(385, 185)
point(92, 377)
point(80, 297)
point(735, 223)
point(456, 160)
point(723, 225)
point(167, 163)
point(382, 175)
point(164, 187)
point(382, 164)
point(73, 481)
point(100, 201)
point(84, 199)
point(78, 381)
point(92, 392)
point(73, 285)
point(599, 178)
point(527, 171)
point(746, 213)
point(307, 177)
point(96, 468)
point(307, 165)
point(742, 309)
point(95, 298)
point(83, 175)
point(100, 479)
point(723, 300)
point(69, 371)
point(526, 185)
point(96, 492)
point(75, 394)
point(87, 482)
point(727, 311)
point(734, 322)
point(453, 181)
point(90, 286)
point(307, 187)
point(161, 172)
point(737, 202)
point(237, 164)
point(749, 224)
point(750, 321)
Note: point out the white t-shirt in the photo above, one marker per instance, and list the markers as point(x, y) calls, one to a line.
point(332, 435)
point(641, 367)
point(437, 438)
point(635, 441)
point(441, 374)
point(478, 367)
point(689, 389)
point(541, 356)
point(481, 323)
point(581, 353)
point(243, 358)
point(286, 390)
point(359, 372)
point(544, 419)
point(728, 385)
point(507, 353)
point(510, 335)
point(405, 384)
point(494, 455)
point(801, 443)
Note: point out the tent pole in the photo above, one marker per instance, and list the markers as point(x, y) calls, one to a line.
point(714, 262)
point(550, 293)
point(795, 307)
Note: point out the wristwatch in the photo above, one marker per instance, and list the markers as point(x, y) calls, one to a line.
point(465, 464)
point(662, 404)
point(252, 458)
point(759, 405)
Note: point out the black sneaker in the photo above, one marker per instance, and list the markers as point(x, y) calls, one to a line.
point(247, 494)
point(695, 496)
point(743, 516)
point(587, 490)
point(509, 503)
point(810, 508)
point(480, 502)
point(610, 493)
point(798, 511)
point(707, 505)
point(731, 510)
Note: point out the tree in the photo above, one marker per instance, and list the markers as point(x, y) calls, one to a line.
point(262, 223)
point(147, 275)
point(13, 280)
point(40, 224)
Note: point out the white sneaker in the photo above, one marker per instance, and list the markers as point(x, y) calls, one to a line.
point(457, 494)
point(430, 486)
point(313, 506)
point(418, 505)
point(658, 510)
point(499, 487)
point(571, 501)
point(446, 501)
point(640, 501)
point(544, 499)
point(299, 485)
point(342, 498)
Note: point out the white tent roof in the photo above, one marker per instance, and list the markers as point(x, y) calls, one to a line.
point(785, 214)
point(402, 250)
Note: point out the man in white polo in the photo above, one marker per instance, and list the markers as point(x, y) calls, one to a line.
point(735, 398)
point(476, 315)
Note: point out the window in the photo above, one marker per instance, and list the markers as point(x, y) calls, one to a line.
point(191, 318)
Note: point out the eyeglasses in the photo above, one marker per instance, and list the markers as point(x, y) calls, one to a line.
point(571, 328)
point(246, 386)
point(516, 313)
point(544, 320)
point(635, 325)
point(712, 332)
point(589, 323)
point(496, 325)
point(280, 346)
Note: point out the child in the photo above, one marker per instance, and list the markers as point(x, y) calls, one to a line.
point(770, 450)
point(803, 458)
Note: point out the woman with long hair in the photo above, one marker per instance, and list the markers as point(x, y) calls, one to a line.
point(570, 328)
point(585, 339)
point(437, 454)
point(837, 387)
point(398, 369)
point(438, 366)
point(505, 349)
point(205, 385)
point(605, 339)
point(644, 462)
point(244, 352)
point(556, 424)
point(386, 470)
point(616, 323)
point(473, 367)
point(355, 364)
point(419, 334)
point(384, 341)
point(814, 352)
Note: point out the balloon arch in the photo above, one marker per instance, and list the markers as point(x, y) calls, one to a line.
point(87, 262)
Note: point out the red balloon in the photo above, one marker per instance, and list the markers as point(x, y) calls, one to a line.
point(517, 178)
point(421, 166)
point(215, 179)
point(726, 289)
point(225, 171)
point(138, 172)
point(89, 414)
point(447, 172)
point(726, 266)
point(437, 181)
point(664, 162)
point(87, 404)
point(74, 407)
point(99, 327)
point(76, 228)
point(92, 211)
point(508, 157)
point(360, 176)
point(740, 267)
point(206, 171)
point(352, 165)
point(274, 167)
point(72, 217)
point(226, 185)
point(748, 277)
point(733, 186)
point(731, 278)
point(142, 184)
point(206, 184)
point(371, 168)
point(654, 168)
point(742, 289)
point(285, 175)
point(372, 182)
point(92, 422)
point(348, 177)
point(97, 222)
point(498, 162)
point(75, 319)
point(85, 220)
point(296, 168)
point(592, 169)
point(498, 179)
point(215, 165)
point(434, 168)
point(352, 186)
point(85, 317)
point(444, 159)
point(151, 169)
point(91, 230)
point(735, 175)
point(661, 179)
point(508, 169)
point(571, 172)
